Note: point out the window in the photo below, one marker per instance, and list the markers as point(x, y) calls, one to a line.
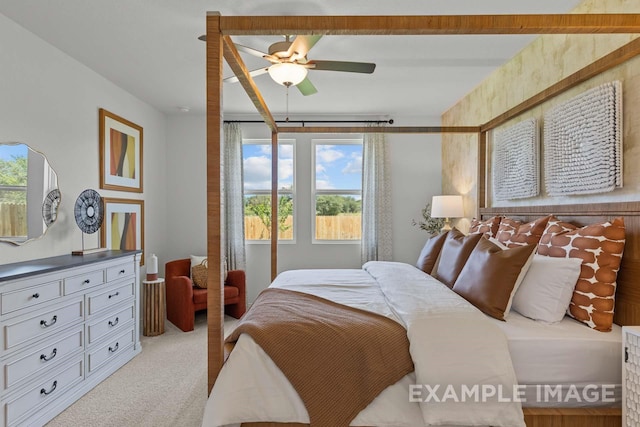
point(256, 157)
point(13, 191)
point(337, 189)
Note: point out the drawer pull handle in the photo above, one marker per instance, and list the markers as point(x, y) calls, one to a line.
point(87, 281)
point(53, 354)
point(36, 295)
point(114, 323)
point(114, 295)
point(53, 387)
point(114, 349)
point(44, 323)
point(122, 271)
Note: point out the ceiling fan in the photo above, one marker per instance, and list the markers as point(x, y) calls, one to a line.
point(289, 63)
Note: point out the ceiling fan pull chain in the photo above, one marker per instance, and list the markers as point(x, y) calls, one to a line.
point(287, 103)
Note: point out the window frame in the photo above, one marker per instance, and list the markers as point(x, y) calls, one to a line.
point(316, 192)
point(292, 192)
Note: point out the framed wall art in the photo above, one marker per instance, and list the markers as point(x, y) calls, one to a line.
point(123, 225)
point(120, 153)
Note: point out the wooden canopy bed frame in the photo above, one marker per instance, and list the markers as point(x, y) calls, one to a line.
point(220, 46)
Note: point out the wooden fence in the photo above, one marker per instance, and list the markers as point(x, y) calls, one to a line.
point(340, 227)
point(13, 219)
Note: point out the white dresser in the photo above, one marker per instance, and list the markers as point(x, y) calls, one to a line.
point(630, 376)
point(67, 323)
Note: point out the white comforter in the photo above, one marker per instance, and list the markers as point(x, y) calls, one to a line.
point(453, 346)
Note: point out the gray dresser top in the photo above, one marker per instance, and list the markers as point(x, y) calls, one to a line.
point(18, 270)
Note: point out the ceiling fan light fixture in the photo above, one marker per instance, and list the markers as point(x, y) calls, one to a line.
point(287, 73)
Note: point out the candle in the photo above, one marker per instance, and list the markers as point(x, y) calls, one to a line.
point(152, 267)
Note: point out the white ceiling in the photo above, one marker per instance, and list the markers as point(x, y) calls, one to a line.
point(150, 48)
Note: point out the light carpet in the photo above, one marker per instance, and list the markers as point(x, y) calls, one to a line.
point(165, 385)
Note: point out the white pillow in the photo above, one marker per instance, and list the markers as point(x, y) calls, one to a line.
point(545, 292)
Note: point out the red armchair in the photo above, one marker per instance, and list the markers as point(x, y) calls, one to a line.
point(184, 299)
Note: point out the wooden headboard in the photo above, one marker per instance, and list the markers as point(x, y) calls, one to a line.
point(627, 308)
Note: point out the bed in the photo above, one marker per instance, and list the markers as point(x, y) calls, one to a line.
point(543, 356)
point(219, 45)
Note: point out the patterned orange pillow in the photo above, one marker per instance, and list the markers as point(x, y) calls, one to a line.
point(488, 227)
point(600, 246)
point(512, 233)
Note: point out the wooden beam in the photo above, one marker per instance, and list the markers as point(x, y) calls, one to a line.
point(443, 24)
point(274, 205)
point(601, 65)
point(215, 321)
point(236, 63)
point(482, 173)
point(379, 129)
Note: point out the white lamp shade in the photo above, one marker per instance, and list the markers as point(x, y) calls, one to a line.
point(287, 73)
point(447, 207)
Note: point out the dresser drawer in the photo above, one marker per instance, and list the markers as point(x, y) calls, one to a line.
point(120, 271)
point(83, 281)
point(43, 392)
point(98, 329)
point(103, 299)
point(39, 325)
point(45, 357)
point(27, 297)
point(110, 350)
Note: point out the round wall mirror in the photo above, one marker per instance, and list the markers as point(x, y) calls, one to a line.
point(29, 193)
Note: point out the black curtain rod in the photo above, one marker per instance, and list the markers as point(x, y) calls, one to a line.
point(390, 121)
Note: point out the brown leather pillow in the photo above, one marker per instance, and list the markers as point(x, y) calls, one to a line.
point(454, 254)
point(488, 279)
point(430, 251)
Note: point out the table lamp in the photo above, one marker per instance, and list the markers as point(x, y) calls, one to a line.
point(447, 207)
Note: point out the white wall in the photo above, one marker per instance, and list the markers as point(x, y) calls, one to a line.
point(50, 102)
point(415, 177)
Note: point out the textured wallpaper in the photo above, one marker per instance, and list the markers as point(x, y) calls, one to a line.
point(544, 62)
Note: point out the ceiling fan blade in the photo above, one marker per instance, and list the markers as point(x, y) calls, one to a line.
point(306, 87)
point(350, 67)
point(234, 79)
point(251, 51)
point(301, 45)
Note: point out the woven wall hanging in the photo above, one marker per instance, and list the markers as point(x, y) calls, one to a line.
point(516, 165)
point(583, 143)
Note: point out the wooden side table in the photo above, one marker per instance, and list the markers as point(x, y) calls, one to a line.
point(154, 307)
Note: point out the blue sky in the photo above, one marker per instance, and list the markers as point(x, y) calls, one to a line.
point(338, 166)
point(7, 152)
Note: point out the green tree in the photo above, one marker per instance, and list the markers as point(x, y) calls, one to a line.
point(13, 173)
point(332, 205)
point(260, 206)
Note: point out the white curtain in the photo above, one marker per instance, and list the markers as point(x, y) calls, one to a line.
point(233, 197)
point(376, 200)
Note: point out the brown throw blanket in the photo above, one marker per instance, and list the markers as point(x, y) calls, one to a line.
point(336, 357)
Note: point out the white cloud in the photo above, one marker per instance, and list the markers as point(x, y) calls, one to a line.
point(326, 153)
point(265, 149)
point(285, 169)
point(320, 169)
point(322, 184)
point(355, 165)
point(285, 151)
point(257, 173)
